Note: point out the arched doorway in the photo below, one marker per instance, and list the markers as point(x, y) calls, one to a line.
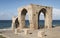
point(23, 18)
point(41, 23)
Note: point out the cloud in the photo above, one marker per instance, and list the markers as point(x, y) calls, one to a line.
point(55, 15)
point(6, 15)
point(27, 17)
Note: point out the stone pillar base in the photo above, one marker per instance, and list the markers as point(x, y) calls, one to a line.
point(41, 34)
point(26, 31)
point(16, 32)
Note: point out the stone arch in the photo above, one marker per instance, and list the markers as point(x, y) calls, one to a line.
point(33, 11)
point(24, 11)
point(15, 22)
point(23, 15)
point(43, 10)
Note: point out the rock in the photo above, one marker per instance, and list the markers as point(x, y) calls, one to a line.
point(41, 34)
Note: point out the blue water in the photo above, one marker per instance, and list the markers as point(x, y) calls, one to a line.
point(7, 23)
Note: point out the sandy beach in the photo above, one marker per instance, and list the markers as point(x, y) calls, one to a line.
point(29, 19)
point(5, 29)
point(54, 33)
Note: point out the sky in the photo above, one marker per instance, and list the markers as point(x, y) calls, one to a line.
point(9, 8)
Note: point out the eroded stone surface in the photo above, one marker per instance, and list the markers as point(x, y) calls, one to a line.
point(34, 12)
point(41, 34)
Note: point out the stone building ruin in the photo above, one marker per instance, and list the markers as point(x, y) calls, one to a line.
point(33, 12)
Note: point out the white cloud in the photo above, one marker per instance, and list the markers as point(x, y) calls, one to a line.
point(9, 14)
point(27, 17)
point(55, 14)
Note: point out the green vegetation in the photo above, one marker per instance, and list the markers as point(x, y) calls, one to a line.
point(2, 36)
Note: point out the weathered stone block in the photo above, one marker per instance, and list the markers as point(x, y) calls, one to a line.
point(26, 31)
point(41, 34)
point(16, 32)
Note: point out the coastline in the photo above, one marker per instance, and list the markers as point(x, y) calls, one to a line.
point(6, 29)
point(11, 28)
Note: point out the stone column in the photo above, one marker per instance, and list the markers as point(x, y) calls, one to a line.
point(33, 21)
point(22, 23)
point(48, 19)
point(13, 23)
point(21, 19)
point(30, 19)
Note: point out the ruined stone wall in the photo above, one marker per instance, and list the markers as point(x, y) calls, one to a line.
point(33, 12)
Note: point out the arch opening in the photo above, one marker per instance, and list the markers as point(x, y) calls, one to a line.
point(25, 17)
point(41, 18)
point(27, 20)
point(16, 23)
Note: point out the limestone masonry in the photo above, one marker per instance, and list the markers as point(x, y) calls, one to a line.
point(33, 12)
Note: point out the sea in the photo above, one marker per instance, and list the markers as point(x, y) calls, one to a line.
point(8, 23)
